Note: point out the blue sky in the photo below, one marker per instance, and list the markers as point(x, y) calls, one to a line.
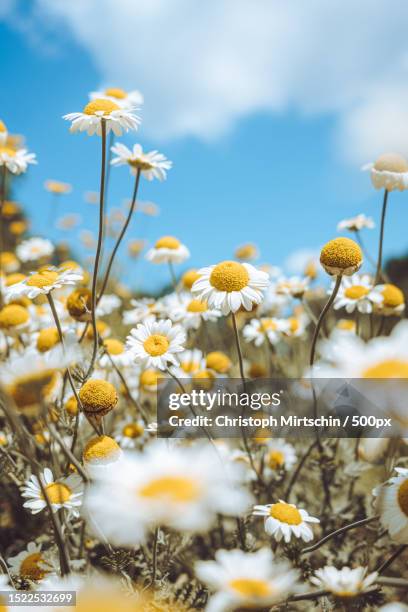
point(277, 178)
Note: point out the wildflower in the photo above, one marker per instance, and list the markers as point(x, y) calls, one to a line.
point(389, 172)
point(16, 161)
point(355, 224)
point(130, 433)
point(154, 344)
point(98, 110)
point(62, 493)
point(283, 520)
point(3, 133)
point(341, 256)
point(246, 580)
point(189, 278)
point(149, 380)
point(345, 583)
point(34, 249)
point(9, 262)
point(388, 300)
point(57, 187)
point(392, 502)
point(101, 451)
point(47, 339)
point(14, 319)
point(247, 252)
point(258, 330)
point(107, 304)
point(42, 283)
point(293, 286)
point(218, 361)
point(230, 285)
point(79, 304)
point(116, 354)
point(125, 99)
point(190, 311)
point(181, 488)
point(278, 455)
point(355, 293)
point(98, 397)
point(168, 249)
point(151, 165)
point(32, 563)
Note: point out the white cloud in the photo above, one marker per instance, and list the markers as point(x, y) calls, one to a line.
point(204, 64)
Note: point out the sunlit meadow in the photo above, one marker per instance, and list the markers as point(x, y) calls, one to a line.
point(91, 500)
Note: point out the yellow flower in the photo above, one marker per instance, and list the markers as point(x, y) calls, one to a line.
point(341, 256)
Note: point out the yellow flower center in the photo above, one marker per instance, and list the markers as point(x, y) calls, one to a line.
point(346, 325)
point(390, 368)
point(42, 279)
point(267, 325)
point(293, 324)
point(189, 366)
point(167, 242)
point(189, 278)
point(32, 567)
point(140, 163)
point(114, 347)
point(101, 447)
point(311, 270)
point(285, 513)
point(58, 493)
point(275, 459)
point(341, 253)
point(98, 396)
point(403, 497)
point(356, 292)
point(149, 378)
point(197, 306)
point(13, 315)
point(71, 406)
point(100, 106)
point(2, 126)
point(392, 296)
point(246, 251)
point(133, 430)
point(47, 339)
point(28, 390)
point(79, 303)
point(156, 345)
point(250, 587)
point(218, 361)
point(391, 162)
point(7, 151)
point(115, 92)
point(171, 488)
point(229, 276)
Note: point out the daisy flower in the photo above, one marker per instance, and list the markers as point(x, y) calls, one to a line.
point(283, 520)
point(344, 583)
point(125, 99)
point(293, 286)
point(117, 355)
point(168, 249)
point(57, 187)
point(245, 580)
point(279, 455)
point(16, 161)
point(191, 362)
point(107, 304)
point(388, 300)
point(218, 361)
point(115, 117)
point(392, 502)
point(295, 325)
point(130, 433)
point(3, 133)
point(230, 285)
point(389, 172)
point(41, 283)
point(142, 309)
point(189, 311)
point(152, 165)
point(258, 330)
point(9, 262)
point(247, 252)
point(183, 488)
point(14, 319)
point(34, 249)
point(101, 451)
point(355, 293)
point(62, 493)
point(341, 256)
point(355, 224)
point(154, 343)
point(32, 563)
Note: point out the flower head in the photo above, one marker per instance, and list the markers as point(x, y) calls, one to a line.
point(98, 397)
point(345, 583)
point(95, 112)
point(154, 344)
point(341, 256)
point(152, 165)
point(42, 282)
point(389, 172)
point(16, 160)
point(392, 503)
point(388, 300)
point(355, 224)
point(168, 249)
point(61, 493)
point(283, 520)
point(32, 563)
point(124, 99)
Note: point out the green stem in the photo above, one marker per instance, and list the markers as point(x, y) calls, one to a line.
point(380, 247)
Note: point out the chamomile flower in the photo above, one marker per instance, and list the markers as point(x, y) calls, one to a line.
point(116, 118)
point(101, 451)
point(191, 362)
point(107, 304)
point(283, 520)
point(279, 455)
point(151, 165)
point(34, 249)
point(230, 285)
point(32, 563)
point(154, 344)
point(62, 493)
point(168, 249)
point(181, 487)
point(9, 262)
point(185, 309)
point(294, 286)
point(341, 256)
point(3, 133)
point(392, 503)
point(259, 330)
point(14, 319)
point(218, 361)
point(142, 309)
point(355, 293)
point(389, 172)
point(16, 160)
point(345, 583)
point(57, 187)
point(355, 224)
point(388, 300)
point(131, 433)
point(125, 99)
point(245, 580)
point(42, 282)
point(115, 355)
point(247, 252)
